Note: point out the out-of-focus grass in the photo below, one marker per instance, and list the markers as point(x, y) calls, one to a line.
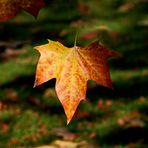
point(23, 65)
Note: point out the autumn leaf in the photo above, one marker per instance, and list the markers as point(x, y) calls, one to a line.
point(10, 8)
point(72, 68)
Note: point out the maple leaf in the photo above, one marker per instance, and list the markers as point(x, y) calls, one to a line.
point(72, 68)
point(10, 8)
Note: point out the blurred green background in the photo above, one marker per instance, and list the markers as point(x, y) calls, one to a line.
point(31, 117)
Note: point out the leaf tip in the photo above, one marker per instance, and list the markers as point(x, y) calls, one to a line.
point(36, 47)
point(69, 117)
point(48, 40)
point(68, 121)
point(35, 84)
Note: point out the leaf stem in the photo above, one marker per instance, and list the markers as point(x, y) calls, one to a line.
point(76, 36)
